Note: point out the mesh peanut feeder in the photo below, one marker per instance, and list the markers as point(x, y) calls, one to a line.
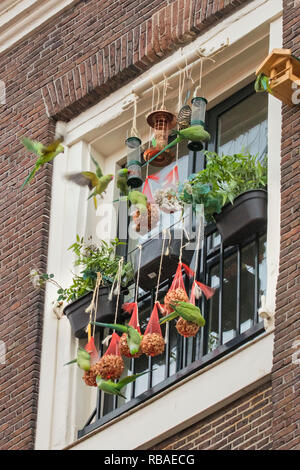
point(177, 292)
point(147, 220)
point(162, 121)
point(89, 376)
point(186, 328)
point(134, 322)
point(153, 342)
point(111, 365)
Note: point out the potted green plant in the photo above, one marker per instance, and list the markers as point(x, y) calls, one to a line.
point(231, 188)
point(92, 259)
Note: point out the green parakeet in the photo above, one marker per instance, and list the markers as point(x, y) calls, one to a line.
point(83, 359)
point(133, 336)
point(187, 311)
point(108, 386)
point(122, 177)
point(262, 83)
point(138, 199)
point(46, 153)
point(193, 133)
point(96, 181)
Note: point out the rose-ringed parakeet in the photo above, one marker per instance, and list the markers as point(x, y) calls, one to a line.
point(122, 177)
point(262, 83)
point(83, 359)
point(193, 133)
point(108, 386)
point(187, 311)
point(138, 199)
point(95, 181)
point(46, 153)
point(133, 336)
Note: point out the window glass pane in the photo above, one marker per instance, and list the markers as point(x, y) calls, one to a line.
point(247, 287)
point(262, 265)
point(229, 299)
point(184, 170)
point(213, 328)
point(245, 127)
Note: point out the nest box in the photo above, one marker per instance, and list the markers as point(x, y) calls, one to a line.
point(283, 70)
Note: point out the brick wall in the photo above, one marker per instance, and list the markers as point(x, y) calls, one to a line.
point(245, 424)
point(64, 67)
point(286, 374)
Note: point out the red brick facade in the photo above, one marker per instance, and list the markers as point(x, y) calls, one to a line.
point(60, 70)
point(286, 373)
point(246, 424)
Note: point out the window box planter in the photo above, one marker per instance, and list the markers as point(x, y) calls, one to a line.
point(245, 217)
point(79, 319)
point(150, 259)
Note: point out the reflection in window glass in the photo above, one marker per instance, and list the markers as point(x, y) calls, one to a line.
point(244, 128)
point(213, 328)
point(229, 299)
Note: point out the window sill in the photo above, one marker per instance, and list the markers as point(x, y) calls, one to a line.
point(251, 363)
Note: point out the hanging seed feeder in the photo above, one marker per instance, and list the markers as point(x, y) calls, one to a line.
point(198, 119)
point(162, 122)
point(134, 163)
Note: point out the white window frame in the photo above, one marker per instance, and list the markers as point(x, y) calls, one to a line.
point(64, 402)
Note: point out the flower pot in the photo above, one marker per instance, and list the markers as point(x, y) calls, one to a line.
point(78, 317)
point(150, 259)
point(245, 217)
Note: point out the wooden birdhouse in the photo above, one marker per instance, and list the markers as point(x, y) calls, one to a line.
point(283, 70)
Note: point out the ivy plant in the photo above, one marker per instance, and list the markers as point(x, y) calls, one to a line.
point(224, 178)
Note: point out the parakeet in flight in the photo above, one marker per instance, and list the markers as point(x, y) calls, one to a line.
point(122, 177)
point(193, 133)
point(262, 83)
point(45, 153)
point(133, 336)
point(95, 181)
point(187, 311)
point(108, 386)
point(83, 359)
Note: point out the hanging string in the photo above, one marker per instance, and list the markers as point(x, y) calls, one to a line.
point(160, 264)
point(200, 78)
point(119, 277)
point(120, 269)
point(93, 307)
point(138, 274)
point(134, 132)
point(199, 238)
point(151, 111)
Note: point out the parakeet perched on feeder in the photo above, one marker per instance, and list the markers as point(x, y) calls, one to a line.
point(122, 177)
point(138, 199)
point(108, 386)
point(96, 181)
point(193, 133)
point(83, 359)
point(262, 83)
point(134, 338)
point(46, 153)
point(187, 311)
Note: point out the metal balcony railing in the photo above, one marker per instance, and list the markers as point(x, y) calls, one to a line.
point(239, 275)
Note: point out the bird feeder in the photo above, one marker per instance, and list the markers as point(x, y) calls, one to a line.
point(198, 119)
point(162, 122)
point(134, 163)
point(283, 70)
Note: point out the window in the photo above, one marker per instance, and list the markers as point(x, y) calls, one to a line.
point(237, 272)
